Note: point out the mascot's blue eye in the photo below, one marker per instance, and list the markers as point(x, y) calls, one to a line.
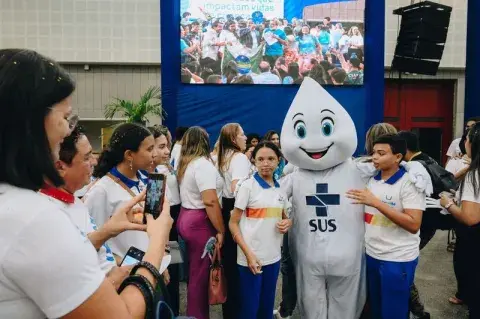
point(327, 126)
point(300, 129)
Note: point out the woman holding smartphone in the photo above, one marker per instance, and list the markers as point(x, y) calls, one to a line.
point(257, 224)
point(49, 269)
point(200, 216)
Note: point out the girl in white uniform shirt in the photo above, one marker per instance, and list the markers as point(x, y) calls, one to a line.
point(200, 216)
point(49, 269)
point(162, 158)
point(257, 224)
point(466, 209)
point(131, 149)
point(233, 166)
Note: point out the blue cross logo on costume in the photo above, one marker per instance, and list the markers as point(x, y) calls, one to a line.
point(321, 201)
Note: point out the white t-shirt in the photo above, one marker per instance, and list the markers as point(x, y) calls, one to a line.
point(454, 148)
point(239, 168)
point(356, 40)
point(78, 213)
point(263, 206)
point(227, 36)
point(344, 43)
point(214, 158)
point(172, 192)
point(102, 200)
point(199, 176)
point(468, 193)
point(81, 192)
point(47, 268)
point(455, 165)
point(209, 47)
point(175, 155)
point(384, 240)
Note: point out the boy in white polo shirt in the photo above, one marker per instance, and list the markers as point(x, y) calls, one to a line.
point(393, 214)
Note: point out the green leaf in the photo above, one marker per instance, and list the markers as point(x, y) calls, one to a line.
point(150, 103)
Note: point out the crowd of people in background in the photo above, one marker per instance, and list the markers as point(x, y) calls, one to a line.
point(61, 256)
point(278, 51)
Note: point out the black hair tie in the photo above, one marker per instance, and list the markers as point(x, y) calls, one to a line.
point(151, 268)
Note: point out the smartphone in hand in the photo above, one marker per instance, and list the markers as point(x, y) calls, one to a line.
point(133, 257)
point(155, 194)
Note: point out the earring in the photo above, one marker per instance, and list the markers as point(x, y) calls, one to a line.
point(131, 165)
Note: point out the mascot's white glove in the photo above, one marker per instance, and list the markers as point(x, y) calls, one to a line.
point(365, 167)
point(419, 176)
point(289, 168)
point(435, 203)
point(289, 209)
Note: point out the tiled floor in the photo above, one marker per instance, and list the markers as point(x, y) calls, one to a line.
point(435, 280)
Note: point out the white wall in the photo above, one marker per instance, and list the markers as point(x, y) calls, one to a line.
point(99, 86)
point(454, 55)
point(111, 31)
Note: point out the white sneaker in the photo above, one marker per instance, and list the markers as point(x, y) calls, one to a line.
point(277, 314)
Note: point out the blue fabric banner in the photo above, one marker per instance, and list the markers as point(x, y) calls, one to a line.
point(472, 69)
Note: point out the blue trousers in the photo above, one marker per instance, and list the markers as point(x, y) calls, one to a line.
point(389, 287)
point(257, 292)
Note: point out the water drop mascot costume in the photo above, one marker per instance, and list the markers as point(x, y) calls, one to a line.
point(327, 237)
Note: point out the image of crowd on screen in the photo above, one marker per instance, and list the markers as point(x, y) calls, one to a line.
point(244, 50)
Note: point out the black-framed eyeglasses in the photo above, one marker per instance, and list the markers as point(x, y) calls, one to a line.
point(71, 119)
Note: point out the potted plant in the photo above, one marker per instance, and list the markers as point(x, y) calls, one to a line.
point(136, 111)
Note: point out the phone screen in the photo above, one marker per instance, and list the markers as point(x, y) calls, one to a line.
point(129, 261)
point(133, 257)
point(155, 194)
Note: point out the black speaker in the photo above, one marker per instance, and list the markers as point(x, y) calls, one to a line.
point(422, 36)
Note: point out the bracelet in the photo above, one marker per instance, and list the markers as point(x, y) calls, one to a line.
point(151, 268)
point(161, 289)
point(145, 287)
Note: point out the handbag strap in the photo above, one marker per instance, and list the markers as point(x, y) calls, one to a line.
point(217, 256)
point(89, 186)
point(122, 184)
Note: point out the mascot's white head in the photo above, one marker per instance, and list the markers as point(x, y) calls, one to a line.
point(317, 133)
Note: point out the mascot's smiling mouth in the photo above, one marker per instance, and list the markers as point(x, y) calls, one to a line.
point(317, 155)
